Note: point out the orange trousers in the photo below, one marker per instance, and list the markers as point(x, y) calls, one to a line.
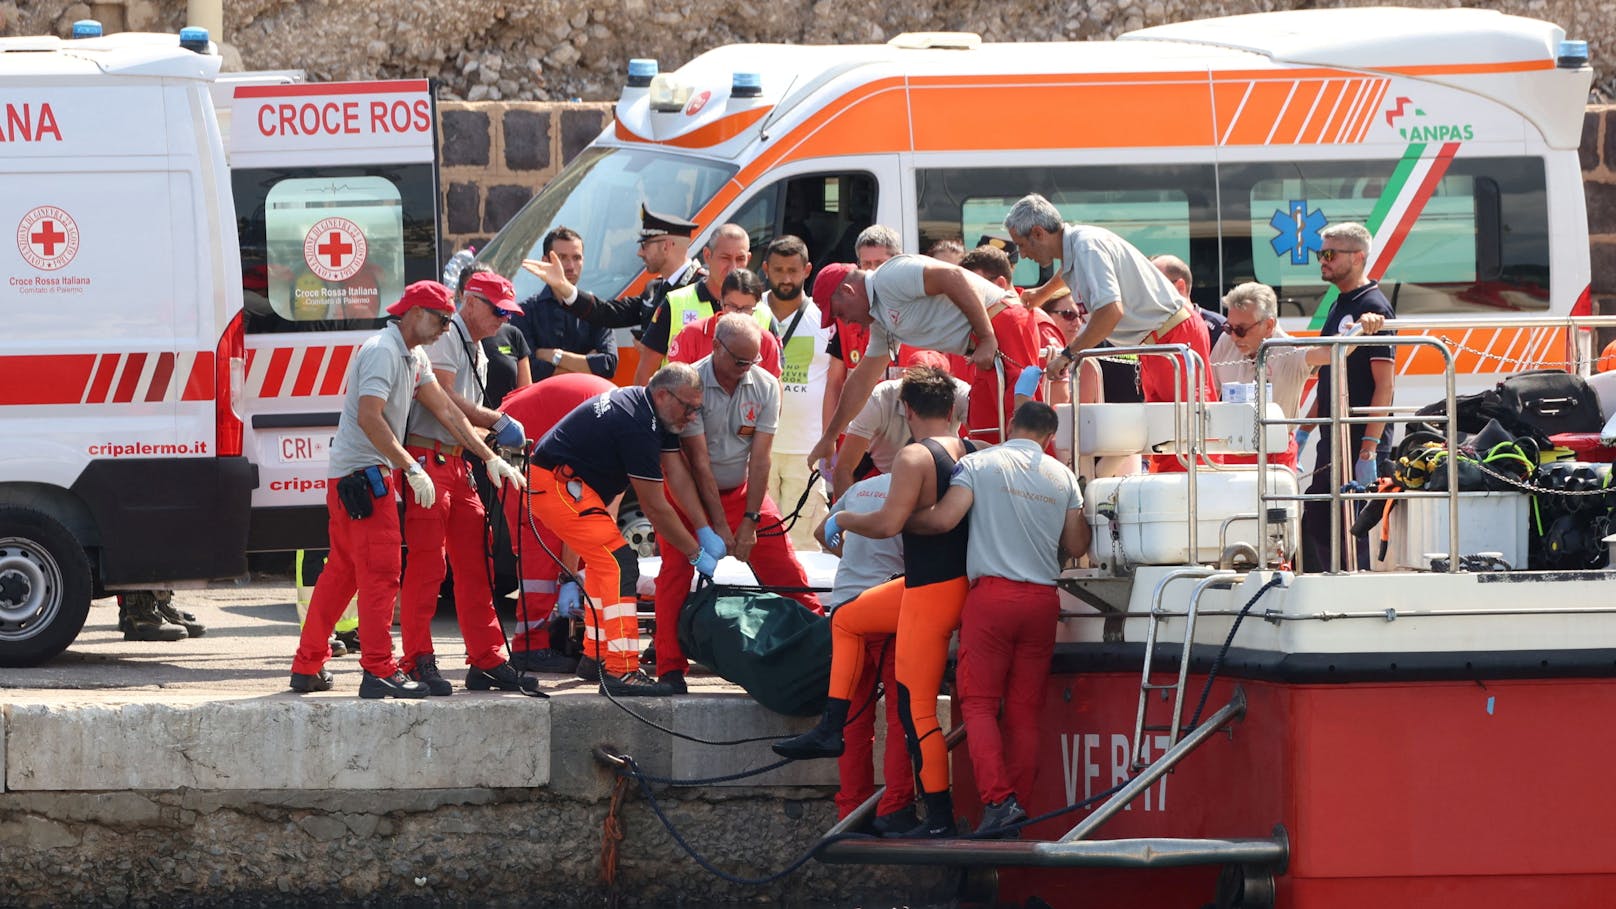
point(923, 618)
point(580, 519)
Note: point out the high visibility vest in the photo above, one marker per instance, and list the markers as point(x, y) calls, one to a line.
point(685, 307)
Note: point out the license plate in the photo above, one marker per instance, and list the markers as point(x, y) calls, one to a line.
point(303, 448)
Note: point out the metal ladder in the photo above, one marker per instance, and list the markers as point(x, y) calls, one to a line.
point(1207, 579)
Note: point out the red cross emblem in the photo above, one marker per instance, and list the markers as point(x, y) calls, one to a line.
point(48, 238)
point(334, 249)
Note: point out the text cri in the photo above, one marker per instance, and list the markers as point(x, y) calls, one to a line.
point(336, 118)
point(1094, 763)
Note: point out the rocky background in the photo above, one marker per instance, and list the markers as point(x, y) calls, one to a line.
point(539, 50)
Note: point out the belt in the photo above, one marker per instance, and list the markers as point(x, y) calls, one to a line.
point(1172, 322)
point(442, 448)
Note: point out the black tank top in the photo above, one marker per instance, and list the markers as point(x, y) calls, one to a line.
point(929, 558)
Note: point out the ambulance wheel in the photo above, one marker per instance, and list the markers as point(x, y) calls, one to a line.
point(636, 529)
point(44, 587)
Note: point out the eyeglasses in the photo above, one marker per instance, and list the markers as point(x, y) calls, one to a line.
point(1328, 255)
point(690, 409)
point(647, 241)
point(1070, 315)
point(739, 362)
point(443, 320)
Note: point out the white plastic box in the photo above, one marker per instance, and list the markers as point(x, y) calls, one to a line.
point(1152, 515)
point(1488, 522)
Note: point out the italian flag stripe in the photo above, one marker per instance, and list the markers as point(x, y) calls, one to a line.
point(1413, 181)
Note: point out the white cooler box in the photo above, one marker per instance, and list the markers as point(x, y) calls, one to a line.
point(1488, 522)
point(1153, 515)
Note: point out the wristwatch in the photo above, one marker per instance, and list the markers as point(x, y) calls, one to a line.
point(753, 516)
point(555, 358)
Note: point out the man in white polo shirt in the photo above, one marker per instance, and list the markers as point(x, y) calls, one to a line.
point(388, 372)
point(729, 449)
point(1025, 511)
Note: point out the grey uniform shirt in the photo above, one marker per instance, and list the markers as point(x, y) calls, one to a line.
point(903, 313)
point(384, 368)
point(1020, 497)
point(865, 562)
point(730, 422)
point(884, 421)
point(455, 353)
point(1101, 268)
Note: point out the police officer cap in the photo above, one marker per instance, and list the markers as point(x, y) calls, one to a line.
point(429, 294)
point(1003, 244)
point(653, 225)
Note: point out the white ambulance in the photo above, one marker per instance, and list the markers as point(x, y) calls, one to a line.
point(130, 455)
point(1452, 133)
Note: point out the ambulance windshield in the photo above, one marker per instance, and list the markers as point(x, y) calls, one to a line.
point(599, 195)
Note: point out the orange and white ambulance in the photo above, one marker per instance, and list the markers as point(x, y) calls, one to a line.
point(1452, 133)
point(131, 456)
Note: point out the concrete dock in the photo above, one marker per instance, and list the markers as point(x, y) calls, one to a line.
point(186, 773)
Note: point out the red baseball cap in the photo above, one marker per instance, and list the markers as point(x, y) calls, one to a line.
point(430, 294)
point(829, 278)
point(498, 291)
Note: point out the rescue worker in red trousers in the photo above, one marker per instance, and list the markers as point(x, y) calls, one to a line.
point(454, 522)
point(538, 407)
point(907, 300)
point(388, 372)
point(922, 608)
point(1025, 511)
point(625, 437)
point(728, 447)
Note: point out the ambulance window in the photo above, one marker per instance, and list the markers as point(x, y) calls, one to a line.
point(825, 211)
point(1473, 240)
point(328, 250)
point(1161, 209)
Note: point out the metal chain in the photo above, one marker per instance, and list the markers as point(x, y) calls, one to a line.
point(1543, 490)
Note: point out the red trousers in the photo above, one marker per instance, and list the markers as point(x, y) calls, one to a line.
point(1007, 637)
point(456, 525)
point(365, 559)
point(856, 766)
point(772, 560)
point(539, 573)
point(1156, 375)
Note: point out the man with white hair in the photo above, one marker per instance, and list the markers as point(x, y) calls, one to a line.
point(1128, 300)
point(729, 446)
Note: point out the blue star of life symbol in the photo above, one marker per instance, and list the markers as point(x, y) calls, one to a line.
point(1297, 231)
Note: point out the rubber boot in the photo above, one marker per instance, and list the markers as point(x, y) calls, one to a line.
point(822, 741)
point(939, 821)
point(142, 622)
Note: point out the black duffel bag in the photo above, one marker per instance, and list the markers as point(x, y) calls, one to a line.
point(768, 644)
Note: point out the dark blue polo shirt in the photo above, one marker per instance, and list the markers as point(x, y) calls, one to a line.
point(546, 325)
point(1349, 308)
point(609, 439)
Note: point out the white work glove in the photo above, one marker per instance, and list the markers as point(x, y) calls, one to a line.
point(501, 472)
point(421, 485)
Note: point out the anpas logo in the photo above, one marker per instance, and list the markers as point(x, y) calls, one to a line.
point(1406, 119)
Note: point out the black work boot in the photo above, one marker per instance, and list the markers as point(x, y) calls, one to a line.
point(901, 821)
point(397, 685)
point(503, 677)
point(426, 672)
point(939, 821)
point(675, 680)
point(141, 621)
point(165, 608)
point(310, 682)
point(544, 660)
point(997, 817)
point(634, 684)
point(822, 741)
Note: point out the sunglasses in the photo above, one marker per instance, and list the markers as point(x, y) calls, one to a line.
point(503, 314)
point(1240, 331)
point(739, 362)
point(1070, 315)
point(443, 320)
point(1328, 255)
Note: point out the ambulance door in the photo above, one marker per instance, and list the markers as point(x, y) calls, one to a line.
point(336, 198)
point(825, 203)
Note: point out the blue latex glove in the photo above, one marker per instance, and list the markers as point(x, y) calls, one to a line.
point(1302, 435)
point(1366, 471)
point(570, 601)
point(1027, 385)
point(705, 563)
point(711, 543)
point(508, 433)
point(833, 533)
